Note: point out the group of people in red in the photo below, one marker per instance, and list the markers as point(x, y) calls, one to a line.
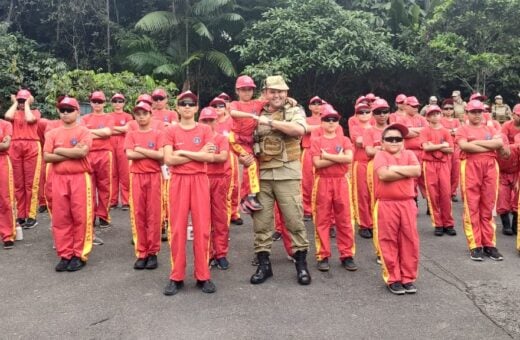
point(167, 167)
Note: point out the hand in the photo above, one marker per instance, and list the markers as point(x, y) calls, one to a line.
point(246, 159)
point(209, 148)
point(13, 99)
point(30, 101)
point(263, 120)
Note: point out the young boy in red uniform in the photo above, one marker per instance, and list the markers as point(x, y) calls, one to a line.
point(437, 146)
point(26, 158)
point(219, 173)
point(100, 125)
point(144, 147)
point(120, 181)
point(479, 180)
point(188, 146)
point(452, 124)
point(67, 147)
point(160, 111)
point(331, 154)
point(395, 220)
point(7, 201)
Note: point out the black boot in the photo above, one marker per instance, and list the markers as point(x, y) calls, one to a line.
point(304, 277)
point(263, 271)
point(506, 224)
point(514, 225)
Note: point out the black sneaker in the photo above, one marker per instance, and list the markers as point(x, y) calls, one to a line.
point(323, 265)
point(62, 265)
point(409, 288)
point(8, 244)
point(140, 264)
point(113, 206)
point(277, 236)
point(20, 221)
point(222, 263)
point(42, 209)
point(75, 264)
point(103, 223)
point(439, 231)
point(450, 230)
point(365, 233)
point(30, 223)
point(125, 207)
point(378, 260)
point(173, 287)
point(454, 198)
point(493, 253)
point(349, 264)
point(164, 235)
point(332, 231)
point(476, 254)
point(307, 217)
point(207, 286)
point(152, 262)
point(237, 221)
point(396, 288)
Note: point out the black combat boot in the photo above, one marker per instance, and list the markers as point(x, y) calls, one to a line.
point(514, 224)
point(506, 224)
point(263, 271)
point(304, 277)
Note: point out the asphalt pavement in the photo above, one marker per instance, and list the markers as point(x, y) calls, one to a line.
point(457, 298)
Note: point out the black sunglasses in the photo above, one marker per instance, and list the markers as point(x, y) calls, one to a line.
point(219, 106)
point(380, 112)
point(315, 103)
point(363, 112)
point(21, 101)
point(158, 99)
point(66, 110)
point(96, 101)
point(118, 101)
point(330, 119)
point(393, 139)
point(187, 104)
point(476, 112)
point(448, 108)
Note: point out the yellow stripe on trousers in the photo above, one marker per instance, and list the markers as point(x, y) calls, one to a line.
point(33, 205)
point(375, 232)
point(89, 227)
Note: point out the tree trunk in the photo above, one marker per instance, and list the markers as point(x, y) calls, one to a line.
point(10, 12)
point(108, 36)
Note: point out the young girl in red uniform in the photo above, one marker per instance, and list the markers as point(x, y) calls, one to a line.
point(452, 124)
point(7, 201)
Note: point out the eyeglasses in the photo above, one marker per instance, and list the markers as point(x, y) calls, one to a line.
point(158, 98)
point(97, 101)
point(380, 112)
point(393, 139)
point(21, 101)
point(118, 101)
point(363, 112)
point(185, 104)
point(330, 119)
point(315, 103)
point(219, 106)
point(66, 110)
point(448, 108)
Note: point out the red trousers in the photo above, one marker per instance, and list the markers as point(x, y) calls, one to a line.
point(120, 172)
point(26, 159)
point(190, 193)
point(455, 170)
point(235, 186)
point(419, 181)
point(72, 199)
point(279, 226)
point(307, 180)
point(145, 212)
point(438, 192)
point(395, 231)
point(7, 201)
point(507, 193)
point(41, 187)
point(48, 186)
point(479, 186)
point(220, 214)
point(101, 162)
point(361, 195)
point(331, 200)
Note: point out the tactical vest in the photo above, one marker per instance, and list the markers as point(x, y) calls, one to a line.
point(276, 147)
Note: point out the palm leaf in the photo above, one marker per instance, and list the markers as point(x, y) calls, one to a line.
point(167, 69)
point(195, 56)
point(202, 30)
point(231, 17)
point(221, 60)
point(207, 7)
point(157, 21)
point(143, 61)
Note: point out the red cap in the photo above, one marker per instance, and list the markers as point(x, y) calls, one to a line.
point(433, 108)
point(208, 113)
point(400, 98)
point(370, 97)
point(143, 106)
point(245, 81)
point(224, 96)
point(361, 99)
point(145, 97)
point(69, 102)
point(412, 101)
point(328, 110)
point(361, 106)
point(316, 99)
point(159, 93)
point(379, 104)
point(217, 100)
point(477, 96)
point(447, 101)
point(474, 105)
point(118, 96)
point(516, 109)
point(23, 94)
point(187, 94)
point(99, 95)
point(400, 127)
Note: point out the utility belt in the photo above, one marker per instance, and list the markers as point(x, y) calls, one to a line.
point(276, 147)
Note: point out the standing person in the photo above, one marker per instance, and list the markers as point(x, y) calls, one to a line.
point(219, 173)
point(395, 221)
point(331, 154)
point(160, 110)
point(459, 106)
point(401, 108)
point(66, 148)
point(144, 147)
point(7, 200)
point(120, 175)
point(432, 101)
point(437, 145)
point(452, 124)
point(479, 180)
point(280, 128)
point(500, 111)
point(26, 158)
point(188, 146)
point(100, 156)
point(42, 205)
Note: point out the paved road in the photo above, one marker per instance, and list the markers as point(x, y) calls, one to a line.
point(457, 298)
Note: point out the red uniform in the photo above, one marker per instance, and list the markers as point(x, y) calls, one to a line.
point(453, 124)
point(395, 221)
point(479, 185)
point(52, 124)
point(42, 127)
point(7, 201)
point(436, 170)
point(145, 193)
point(100, 157)
point(331, 199)
point(189, 191)
point(120, 180)
point(165, 116)
point(26, 158)
point(72, 195)
point(307, 167)
point(508, 182)
point(360, 189)
point(219, 181)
